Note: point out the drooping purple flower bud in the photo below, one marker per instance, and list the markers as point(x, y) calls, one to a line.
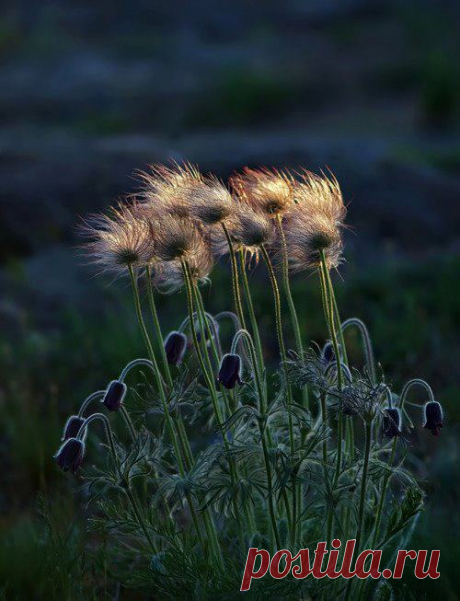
point(175, 346)
point(230, 371)
point(114, 395)
point(392, 423)
point(70, 454)
point(433, 417)
point(72, 427)
point(328, 352)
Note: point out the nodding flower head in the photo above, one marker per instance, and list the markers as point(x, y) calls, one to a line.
point(72, 427)
point(433, 417)
point(230, 371)
point(118, 240)
point(391, 422)
point(265, 190)
point(175, 347)
point(70, 455)
point(114, 395)
point(328, 352)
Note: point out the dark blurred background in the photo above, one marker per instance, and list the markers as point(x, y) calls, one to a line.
point(91, 91)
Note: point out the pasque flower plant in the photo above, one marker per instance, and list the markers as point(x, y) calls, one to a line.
point(306, 450)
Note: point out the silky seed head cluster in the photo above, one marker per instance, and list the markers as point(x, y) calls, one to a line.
point(181, 216)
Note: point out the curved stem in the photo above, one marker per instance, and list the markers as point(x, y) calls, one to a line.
point(367, 344)
point(134, 363)
point(92, 397)
point(405, 391)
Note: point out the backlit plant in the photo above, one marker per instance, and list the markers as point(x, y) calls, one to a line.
point(222, 451)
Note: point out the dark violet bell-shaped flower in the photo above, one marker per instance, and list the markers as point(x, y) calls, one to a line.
point(70, 454)
point(175, 347)
point(392, 423)
point(433, 417)
point(114, 395)
point(230, 371)
point(72, 427)
point(328, 352)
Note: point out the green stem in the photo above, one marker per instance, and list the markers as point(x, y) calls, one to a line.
point(287, 289)
point(126, 485)
point(282, 347)
point(252, 315)
point(157, 327)
point(128, 422)
point(362, 497)
point(156, 371)
point(328, 292)
point(271, 506)
point(386, 479)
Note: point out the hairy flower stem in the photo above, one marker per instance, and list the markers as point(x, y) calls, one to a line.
point(271, 505)
point(383, 492)
point(198, 300)
point(290, 301)
point(187, 451)
point(191, 299)
point(125, 485)
point(156, 371)
point(330, 513)
point(238, 302)
point(235, 279)
point(264, 438)
point(157, 327)
point(128, 422)
point(282, 347)
point(99, 394)
point(295, 323)
point(168, 420)
point(362, 496)
point(330, 318)
point(250, 306)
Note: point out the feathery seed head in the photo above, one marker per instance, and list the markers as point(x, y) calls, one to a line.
point(118, 240)
point(209, 200)
point(178, 239)
point(320, 193)
point(266, 190)
point(248, 230)
point(163, 190)
point(310, 234)
point(314, 222)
